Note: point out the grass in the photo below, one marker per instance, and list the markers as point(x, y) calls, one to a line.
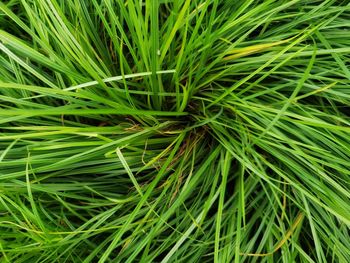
point(174, 131)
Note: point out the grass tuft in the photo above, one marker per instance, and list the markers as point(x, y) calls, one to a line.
point(174, 131)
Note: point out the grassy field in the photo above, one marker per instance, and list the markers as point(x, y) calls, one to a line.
point(174, 131)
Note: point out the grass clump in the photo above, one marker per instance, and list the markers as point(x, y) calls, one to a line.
point(174, 131)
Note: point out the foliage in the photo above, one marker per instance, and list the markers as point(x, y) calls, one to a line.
point(174, 131)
